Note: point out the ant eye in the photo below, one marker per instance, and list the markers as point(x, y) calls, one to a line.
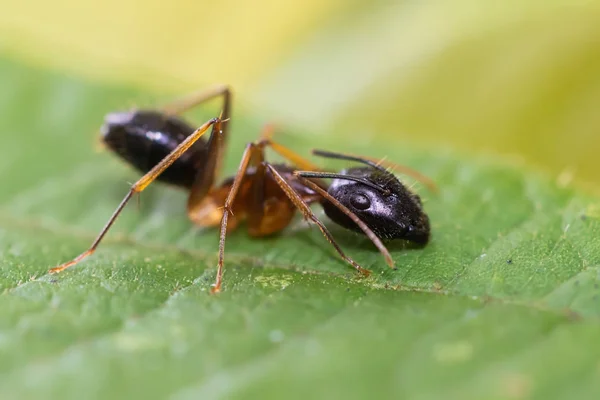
point(360, 202)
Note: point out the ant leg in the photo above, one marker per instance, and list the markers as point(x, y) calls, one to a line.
point(253, 155)
point(308, 214)
point(368, 232)
point(293, 157)
point(204, 181)
point(285, 152)
point(203, 210)
point(140, 185)
point(187, 103)
point(380, 164)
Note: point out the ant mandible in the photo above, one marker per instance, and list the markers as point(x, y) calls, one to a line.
point(367, 199)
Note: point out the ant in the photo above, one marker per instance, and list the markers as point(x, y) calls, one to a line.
point(368, 199)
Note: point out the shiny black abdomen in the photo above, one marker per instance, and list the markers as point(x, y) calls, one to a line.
point(143, 138)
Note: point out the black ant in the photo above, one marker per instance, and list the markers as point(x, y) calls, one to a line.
point(367, 199)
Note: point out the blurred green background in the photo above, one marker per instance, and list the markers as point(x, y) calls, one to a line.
point(519, 78)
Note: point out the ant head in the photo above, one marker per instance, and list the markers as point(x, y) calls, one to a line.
point(381, 201)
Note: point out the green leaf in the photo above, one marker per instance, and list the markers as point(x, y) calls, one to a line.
point(503, 303)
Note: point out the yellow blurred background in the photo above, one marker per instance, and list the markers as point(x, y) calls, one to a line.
point(513, 77)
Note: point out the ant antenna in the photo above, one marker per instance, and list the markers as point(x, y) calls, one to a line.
point(380, 165)
point(348, 157)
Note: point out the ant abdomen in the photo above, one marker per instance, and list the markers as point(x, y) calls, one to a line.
point(144, 138)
